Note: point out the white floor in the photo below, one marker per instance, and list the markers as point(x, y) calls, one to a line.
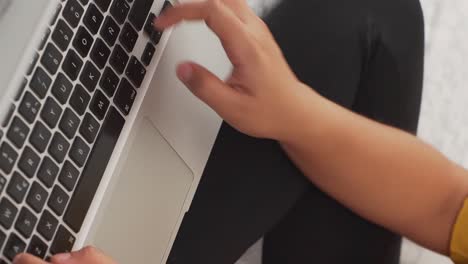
point(444, 123)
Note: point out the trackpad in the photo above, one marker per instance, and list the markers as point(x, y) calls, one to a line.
point(146, 202)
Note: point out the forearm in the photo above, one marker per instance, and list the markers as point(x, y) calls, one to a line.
point(385, 175)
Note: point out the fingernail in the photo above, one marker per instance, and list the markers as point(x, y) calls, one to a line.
point(185, 72)
point(62, 257)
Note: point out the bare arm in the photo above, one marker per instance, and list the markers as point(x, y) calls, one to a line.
point(383, 174)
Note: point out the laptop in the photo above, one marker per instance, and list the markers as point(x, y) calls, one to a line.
point(99, 142)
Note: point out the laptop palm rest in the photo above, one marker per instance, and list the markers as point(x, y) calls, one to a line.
point(146, 201)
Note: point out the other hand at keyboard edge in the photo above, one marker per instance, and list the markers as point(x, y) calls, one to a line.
point(87, 255)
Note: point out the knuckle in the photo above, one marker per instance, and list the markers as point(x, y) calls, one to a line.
point(213, 6)
point(254, 51)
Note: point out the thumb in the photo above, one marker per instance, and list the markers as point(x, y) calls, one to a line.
point(27, 259)
point(209, 88)
point(88, 255)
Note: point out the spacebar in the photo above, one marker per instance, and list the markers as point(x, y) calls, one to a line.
point(94, 170)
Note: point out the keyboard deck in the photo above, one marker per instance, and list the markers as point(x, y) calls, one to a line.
point(66, 119)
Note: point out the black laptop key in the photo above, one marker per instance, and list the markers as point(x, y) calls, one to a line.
point(110, 31)
point(3, 183)
point(103, 4)
point(26, 222)
point(8, 157)
point(73, 12)
point(89, 128)
point(79, 151)
point(166, 5)
point(135, 72)
point(58, 200)
point(109, 81)
point(62, 88)
point(90, 76)
point(63, 241)
point(119, 10)
point(14, 246)
point(84, 2)
point(29, 162)
point(125, 96)
point(51, 112)
point(72, 65)
point(48, 172)
point(139, 12)
point(69, 123)
point(2, 241)
point(18, 187)
point(51, 58)
point(18, 132)
point(40, 137)
point(100, 53)
point(83, 42)
point(80, 99)
point(99, 105)
point(119, 59)
point(93, 19)
point(59, 147)
point(148, 54)
point(156, 37)
point(69, 176)
point(47, 225)
point(37, 197)
point(62, 35)
point(94, 169)
point(29, 107)
point(40, 82)
point(128, 37)
point(37, 247)
point(149, 25)
point(8, 212)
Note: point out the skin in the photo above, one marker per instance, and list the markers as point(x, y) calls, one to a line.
point(87, 255)
point(381, 173)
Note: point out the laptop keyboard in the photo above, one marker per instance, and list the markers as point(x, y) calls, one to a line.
point(67, 117)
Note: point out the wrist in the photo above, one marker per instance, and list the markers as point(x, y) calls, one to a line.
point(301, 117)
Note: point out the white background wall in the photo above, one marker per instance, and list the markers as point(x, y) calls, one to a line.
point(444, 121)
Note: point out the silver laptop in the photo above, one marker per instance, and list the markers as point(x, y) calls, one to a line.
point(99, 142)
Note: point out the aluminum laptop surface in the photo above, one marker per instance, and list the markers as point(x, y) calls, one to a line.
point(78, 109)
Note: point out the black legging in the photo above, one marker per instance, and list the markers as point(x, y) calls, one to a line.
point(366, 55)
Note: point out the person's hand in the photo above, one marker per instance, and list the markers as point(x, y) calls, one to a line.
point(258, 97)
point(88, 255)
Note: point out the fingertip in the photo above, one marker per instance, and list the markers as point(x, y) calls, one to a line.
point(185, 72)
point(157, 23)
point(26, 258)
point(17, 259)
point(60, 258)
